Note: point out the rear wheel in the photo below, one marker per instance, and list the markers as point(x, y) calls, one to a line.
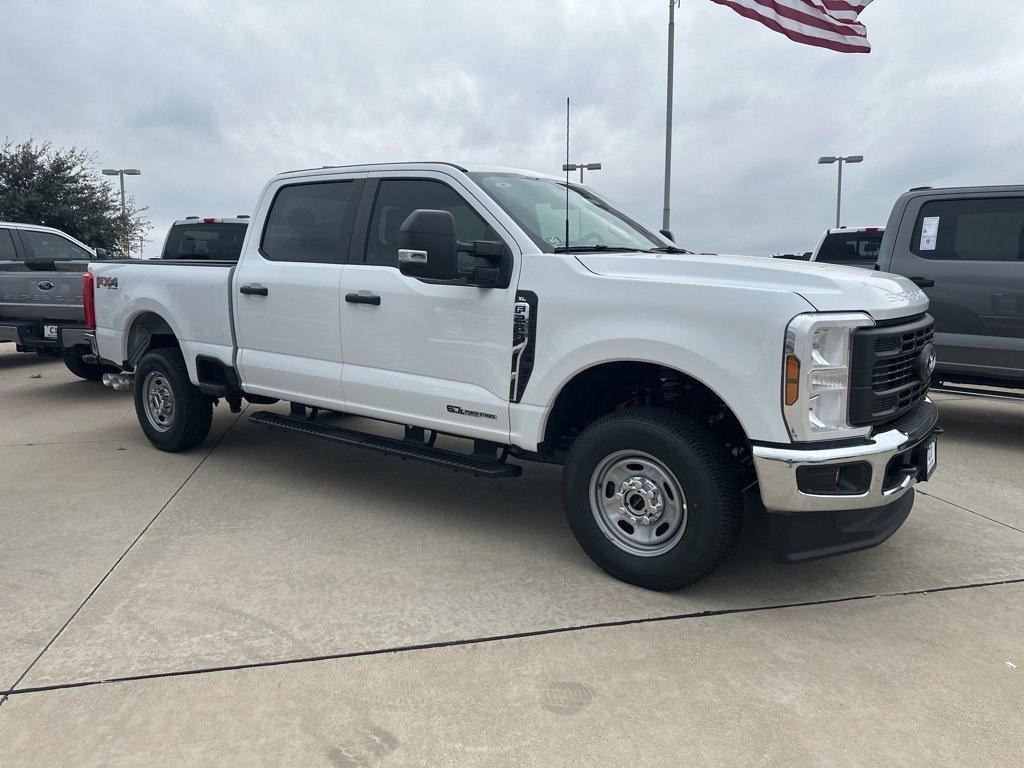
point(652, 497)
point(171, 410)
point(84, 370)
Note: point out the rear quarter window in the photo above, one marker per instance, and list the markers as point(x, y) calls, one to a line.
point(987, 229)
point(852, 247)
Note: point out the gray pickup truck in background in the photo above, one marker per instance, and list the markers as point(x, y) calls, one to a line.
point(964, 247)
point(41, 294)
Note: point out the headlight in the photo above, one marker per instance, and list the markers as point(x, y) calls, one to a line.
point(816, 375)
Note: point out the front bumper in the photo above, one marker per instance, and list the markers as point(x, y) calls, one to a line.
point(862, 511)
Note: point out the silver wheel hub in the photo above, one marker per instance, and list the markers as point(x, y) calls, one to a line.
point(158, 399)
point(638, 503)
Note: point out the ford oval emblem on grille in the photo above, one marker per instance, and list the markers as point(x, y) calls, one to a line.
point(44, 285)
point(926, 362)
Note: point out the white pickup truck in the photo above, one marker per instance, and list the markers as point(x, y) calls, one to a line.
point(538, 320)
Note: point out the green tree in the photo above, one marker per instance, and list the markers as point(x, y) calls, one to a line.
point(63, 188)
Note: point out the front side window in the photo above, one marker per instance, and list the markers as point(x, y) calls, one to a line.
point(205, 241)
point(990, 229)
point(539, 207)
point(397, 198)
point(49, 246)
point(852, 247)
point(310, 222)
point(7, 252)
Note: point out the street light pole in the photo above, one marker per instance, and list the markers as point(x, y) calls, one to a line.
point(122, 172)
point(668, 111)
point(829, 160)
point(580, 166)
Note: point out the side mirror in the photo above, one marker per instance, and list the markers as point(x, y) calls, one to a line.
point(426, 245)
point(101, 253)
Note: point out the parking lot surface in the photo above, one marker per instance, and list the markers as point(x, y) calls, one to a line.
point(269, 599)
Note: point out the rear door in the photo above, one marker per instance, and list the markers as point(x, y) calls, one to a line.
point(967, 254)
point(287, 291)
point(429, 353)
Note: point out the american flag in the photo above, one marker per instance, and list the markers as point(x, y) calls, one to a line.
point(825, 23)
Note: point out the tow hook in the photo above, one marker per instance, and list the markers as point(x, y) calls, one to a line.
point(120, 382)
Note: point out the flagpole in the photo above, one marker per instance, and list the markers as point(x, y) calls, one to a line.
point(665, 214)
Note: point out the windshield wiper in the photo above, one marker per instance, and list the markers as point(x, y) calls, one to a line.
point(668, 249)
point(598, 247)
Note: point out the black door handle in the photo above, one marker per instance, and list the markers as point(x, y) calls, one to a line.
point(363, 298)
point(922, 282)
point(253, 290)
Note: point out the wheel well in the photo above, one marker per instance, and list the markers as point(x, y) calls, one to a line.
point(610, 387)
point(148, 331)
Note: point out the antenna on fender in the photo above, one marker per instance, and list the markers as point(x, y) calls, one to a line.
point(567, 172)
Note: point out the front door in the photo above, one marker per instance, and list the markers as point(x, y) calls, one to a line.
point(431, 354)
point(286, 292)
point(968, 256)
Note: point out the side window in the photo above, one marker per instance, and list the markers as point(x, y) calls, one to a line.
point(7, 252)
point(397, 198)
point(310, 222)
point(48, 246)
point(989, 229)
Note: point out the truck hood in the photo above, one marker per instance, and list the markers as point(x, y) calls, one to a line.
point(828, 288)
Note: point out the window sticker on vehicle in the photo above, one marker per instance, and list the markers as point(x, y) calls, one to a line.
point(929, 233)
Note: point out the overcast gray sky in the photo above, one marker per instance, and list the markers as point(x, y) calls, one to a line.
point(210, 99)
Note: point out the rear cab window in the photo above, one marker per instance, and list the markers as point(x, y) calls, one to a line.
point(983, 229)
point(311, 222)
point(49, 246)
point(205, 241)
point(853, 247)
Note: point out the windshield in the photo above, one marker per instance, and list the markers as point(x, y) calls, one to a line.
point(538, 206)
point(205, 241)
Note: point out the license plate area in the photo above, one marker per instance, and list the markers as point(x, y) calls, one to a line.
point(51, 331)
point(918, 463)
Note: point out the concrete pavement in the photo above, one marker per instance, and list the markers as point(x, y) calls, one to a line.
point(390, 613)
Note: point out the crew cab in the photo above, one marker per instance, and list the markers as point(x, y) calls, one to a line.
point(533, 317)
point(41, 294)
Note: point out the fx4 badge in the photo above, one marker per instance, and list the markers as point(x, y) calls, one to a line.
point(474, 414)
point(106, 282)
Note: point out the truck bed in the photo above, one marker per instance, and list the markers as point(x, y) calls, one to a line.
point(192, 297)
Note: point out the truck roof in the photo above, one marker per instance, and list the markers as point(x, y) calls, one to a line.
point(419, 165)
point(928, 191)
point(240, 219)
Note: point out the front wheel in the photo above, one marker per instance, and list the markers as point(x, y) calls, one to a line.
point(171, 410)
point(652, 497)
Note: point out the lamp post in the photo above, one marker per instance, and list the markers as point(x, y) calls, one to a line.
point(122, 172)
point(665, 224)
point(580, 167)
point(829, 160)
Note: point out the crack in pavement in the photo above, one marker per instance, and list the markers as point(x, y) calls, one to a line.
point(495, 638)
point(965, 509)
point(4, 694)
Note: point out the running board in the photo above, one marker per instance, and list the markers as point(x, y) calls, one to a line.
point(404, 449)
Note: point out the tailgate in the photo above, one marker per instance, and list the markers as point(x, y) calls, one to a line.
point(31, 290)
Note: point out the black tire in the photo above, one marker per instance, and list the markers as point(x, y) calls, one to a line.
point(702, 468)
point(84, 370)
point(190, 415)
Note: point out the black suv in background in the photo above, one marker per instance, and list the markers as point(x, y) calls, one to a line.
point(964, 247)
